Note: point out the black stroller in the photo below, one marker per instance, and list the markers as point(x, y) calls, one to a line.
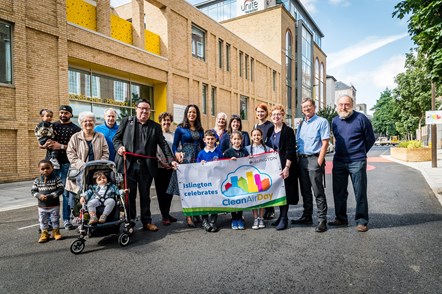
point(117, 222)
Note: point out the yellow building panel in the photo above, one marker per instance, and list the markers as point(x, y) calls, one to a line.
point(82, 14)
point(160, 99)
point(121, 29)
point(151, 42)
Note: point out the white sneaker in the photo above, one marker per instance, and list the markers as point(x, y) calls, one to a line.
point(261, 224)
point(255, 225)
point(55, 163)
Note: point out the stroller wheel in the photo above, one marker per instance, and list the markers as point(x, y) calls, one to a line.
point(123, 239)
point(77, 246)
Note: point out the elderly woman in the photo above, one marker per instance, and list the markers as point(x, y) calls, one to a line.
point(165, 171)
point(282, 139)
point(220, 127)
point(84, 146)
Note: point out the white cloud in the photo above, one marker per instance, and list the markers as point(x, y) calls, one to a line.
point(360, 49)
point(115, 3)
point(383, 76)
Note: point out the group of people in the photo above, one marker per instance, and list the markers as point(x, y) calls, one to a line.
point(147, 151)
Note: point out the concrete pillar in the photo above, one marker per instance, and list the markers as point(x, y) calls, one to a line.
point(103, 17)
point(138, 23)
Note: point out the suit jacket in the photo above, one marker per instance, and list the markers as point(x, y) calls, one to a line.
point(125, 136)
point(287, 150)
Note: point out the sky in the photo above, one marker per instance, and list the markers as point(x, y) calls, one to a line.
point(364, 44)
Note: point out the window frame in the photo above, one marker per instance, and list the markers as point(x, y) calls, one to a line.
point(198, 44)
point(8, 60)
point(204, 98)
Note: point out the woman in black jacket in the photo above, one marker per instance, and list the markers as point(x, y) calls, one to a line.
point(282, 139)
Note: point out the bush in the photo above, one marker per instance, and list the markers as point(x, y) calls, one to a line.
point(410, 144)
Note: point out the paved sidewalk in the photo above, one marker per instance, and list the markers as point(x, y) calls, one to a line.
point(18, 195)
point(433, 176)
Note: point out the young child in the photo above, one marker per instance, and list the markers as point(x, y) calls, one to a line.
point(257, 147)
point(209, 153)
point(234, 152)
point(100, 193)
point(47, 188)
point(44, 132)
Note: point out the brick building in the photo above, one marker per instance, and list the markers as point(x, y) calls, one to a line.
point(89, 55)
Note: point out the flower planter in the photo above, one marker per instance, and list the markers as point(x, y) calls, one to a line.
point(411, 154)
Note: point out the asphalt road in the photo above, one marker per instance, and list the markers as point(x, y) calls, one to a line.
point(401, 253)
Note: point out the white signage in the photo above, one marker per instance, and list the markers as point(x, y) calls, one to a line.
point(248, 6)
point(433, 117)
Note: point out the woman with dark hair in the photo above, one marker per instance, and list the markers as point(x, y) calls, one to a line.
point(282, 139)
point(187, 143)
point(235, 124)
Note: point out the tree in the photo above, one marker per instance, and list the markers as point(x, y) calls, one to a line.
point(328, 113)
point(412, 94)
point(425, 28)
point(384, 119)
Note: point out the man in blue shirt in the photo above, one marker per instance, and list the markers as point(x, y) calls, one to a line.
point(108, 129)
point(312, 137)
point(353, 139)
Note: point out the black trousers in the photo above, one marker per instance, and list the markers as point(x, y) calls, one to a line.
point(161, 183)
point(139, 178)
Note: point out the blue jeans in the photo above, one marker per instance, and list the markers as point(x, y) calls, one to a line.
point(358, 173)
point(67, 202)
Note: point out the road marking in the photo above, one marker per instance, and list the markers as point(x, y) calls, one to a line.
point(27, 227)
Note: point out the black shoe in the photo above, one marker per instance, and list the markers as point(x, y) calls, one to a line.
point(322, 227)
point(269, 213)
point(304, 220)
point(275, 223)
point(214, 227)
point(283, 224)
point(207, 226)
point(338, 222)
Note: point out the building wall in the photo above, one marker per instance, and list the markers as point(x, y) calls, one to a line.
point(45, 45)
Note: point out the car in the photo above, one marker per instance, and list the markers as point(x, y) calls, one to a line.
point(330, 148)
point(382, 141)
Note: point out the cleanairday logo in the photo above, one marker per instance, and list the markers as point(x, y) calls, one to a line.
point(245, 180)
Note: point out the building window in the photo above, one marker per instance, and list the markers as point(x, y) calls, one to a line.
point(274, 80)
point(94, 87)
point(252, 69)
point(212, 101)
point(246, 67)
point(5, 53)
point(220, 53)
point(120, 91)
point(240, 63)
point(74, 82)
point(243, 107)
point(317, 85)
point(228, 57)
point(204, 99)
point(198, 43)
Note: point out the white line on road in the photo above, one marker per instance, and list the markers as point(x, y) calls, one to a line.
point(28, 227)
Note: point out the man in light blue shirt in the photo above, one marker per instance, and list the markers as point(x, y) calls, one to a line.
point(108, 129)
point(312, 137)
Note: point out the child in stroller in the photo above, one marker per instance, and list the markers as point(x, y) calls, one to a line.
point(102, 193)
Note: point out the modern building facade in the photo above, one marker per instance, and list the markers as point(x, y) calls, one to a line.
point(89, 55)
point(286, 32)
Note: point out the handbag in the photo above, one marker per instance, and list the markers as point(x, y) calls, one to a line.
point(73, 173)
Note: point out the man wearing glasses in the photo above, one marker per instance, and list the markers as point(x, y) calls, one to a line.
point(140, 135)
point(353, 139)
point(312, 137)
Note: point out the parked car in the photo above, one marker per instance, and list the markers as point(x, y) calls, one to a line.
point(382, 141)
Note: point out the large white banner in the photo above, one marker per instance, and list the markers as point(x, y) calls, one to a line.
point(231, 185)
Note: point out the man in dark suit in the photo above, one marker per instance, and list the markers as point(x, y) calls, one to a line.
point(140, 135)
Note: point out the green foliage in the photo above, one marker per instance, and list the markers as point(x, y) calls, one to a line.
point(328, 113)
point(412, 95)
point(425, 28)
point(384, 116)
point(410, 144)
